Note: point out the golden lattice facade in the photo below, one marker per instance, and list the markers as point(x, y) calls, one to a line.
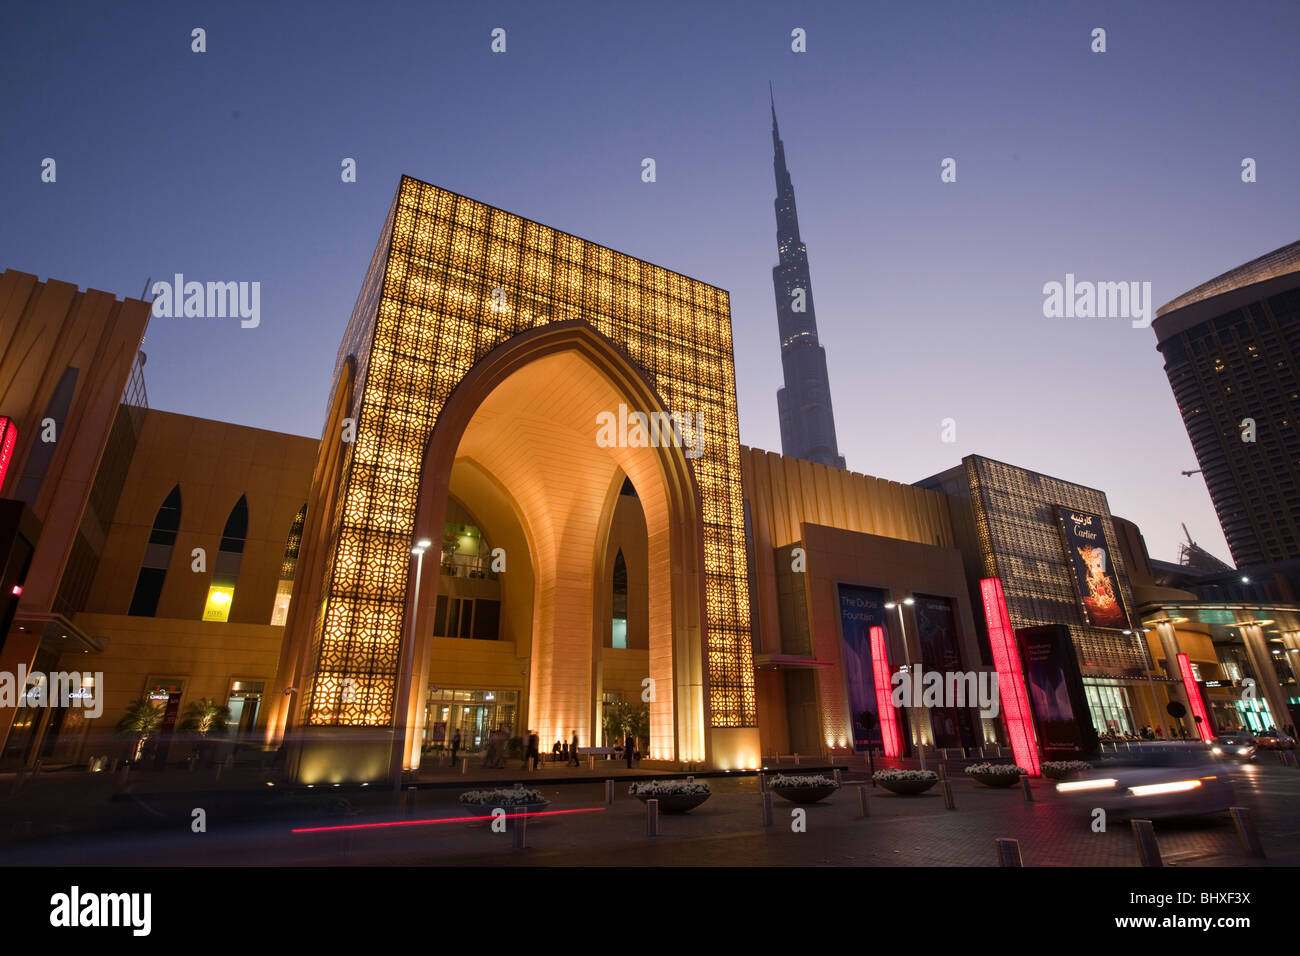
point(452, 280)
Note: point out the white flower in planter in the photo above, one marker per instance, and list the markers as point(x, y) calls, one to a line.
point(995, 769)
point(666, 788)
point(799, 781)
point(881, 776)
point(514, 797)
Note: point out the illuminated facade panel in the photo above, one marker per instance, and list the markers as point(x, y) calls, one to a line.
point(1011, 681)
point(452, 280)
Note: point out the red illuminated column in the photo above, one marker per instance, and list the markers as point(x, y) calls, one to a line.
point(884, 705)
point(1194, 695)
point(8, 439)
point(1011, 681)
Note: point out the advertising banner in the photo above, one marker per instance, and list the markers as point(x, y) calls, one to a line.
point(936, 624)
point(1056, 694)
point(1084, 537)
point(860, 610)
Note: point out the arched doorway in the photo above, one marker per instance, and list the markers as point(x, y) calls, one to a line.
point(526, 418)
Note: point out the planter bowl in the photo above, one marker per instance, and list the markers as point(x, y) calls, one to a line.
point(907, 788)
point(804, 794)
point(997, 780)
point(675, 802)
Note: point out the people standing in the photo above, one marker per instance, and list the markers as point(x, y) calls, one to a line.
point(573, 749)
point(455, 746)
point(555, 752)
point(531, 751)
point(629, 748)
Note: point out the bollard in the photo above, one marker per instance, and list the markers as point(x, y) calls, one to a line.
point(1148, 848)
point(652, 817)
point(1008, 852)
point(1247, 832)
point(767, 809)
point(943, 772)
point(796, 760)
point(192, 762)
point(1024, 783)
point(410, 799)
point(981, 753)
point(943, 753)
point(36, 769)
point(837, 775)
point(762, 783)
point(19, 779)
point(112, 766)
point(864, 801)
point(609, 792)
point(464, 765)
point(948, 803)
point(519, 835)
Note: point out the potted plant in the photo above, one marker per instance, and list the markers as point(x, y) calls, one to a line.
point(802, 788)
point(1060, 769)
point(142, 720)
point(202, 718)
point(996, 774)
point(513, 800)
point(906, 783)
point(674, 796)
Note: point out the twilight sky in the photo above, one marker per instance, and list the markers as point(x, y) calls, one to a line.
point(1118, 166)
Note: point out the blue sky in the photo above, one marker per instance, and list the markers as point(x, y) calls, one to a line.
point(1118, 166)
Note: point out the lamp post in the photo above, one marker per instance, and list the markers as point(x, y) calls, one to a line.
point(1141, 632)
point(403, 702)
point(907, 661)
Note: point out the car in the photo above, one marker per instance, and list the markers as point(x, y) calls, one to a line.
point(1236, 747)
point(1167, 782)
point(1274, 740)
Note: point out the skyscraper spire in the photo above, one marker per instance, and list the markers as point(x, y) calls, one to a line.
point(804, 404)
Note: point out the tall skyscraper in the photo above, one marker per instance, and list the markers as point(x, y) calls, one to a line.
point(807, 422)
point(1232, 353)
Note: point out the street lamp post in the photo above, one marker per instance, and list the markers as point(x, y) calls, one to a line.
point(907, 660)
point(403, 701)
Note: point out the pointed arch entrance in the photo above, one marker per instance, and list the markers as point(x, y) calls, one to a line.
point(527, 416)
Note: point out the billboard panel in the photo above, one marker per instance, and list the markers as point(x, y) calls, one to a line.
point(1084, 537)
point(861, 609)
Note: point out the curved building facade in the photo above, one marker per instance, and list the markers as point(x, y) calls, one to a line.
point(1232, 353)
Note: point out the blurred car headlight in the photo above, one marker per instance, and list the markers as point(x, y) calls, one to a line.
point(1217, 750)
point(1156, 789)
point(1243, 750)
point(1073, 786)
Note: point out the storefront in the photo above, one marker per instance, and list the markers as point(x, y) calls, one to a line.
point(475, 713)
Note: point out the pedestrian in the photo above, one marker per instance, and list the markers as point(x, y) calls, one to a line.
point(531, 751)
point(629, 748)
point(455, 746)
point(573, 749)
point(555, 752)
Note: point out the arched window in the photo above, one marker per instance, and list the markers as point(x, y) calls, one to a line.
point(157, 556)
point(618, 635)
point(225, 573)
point(283, 593)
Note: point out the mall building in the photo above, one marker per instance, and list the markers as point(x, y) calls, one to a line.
point(528, 502)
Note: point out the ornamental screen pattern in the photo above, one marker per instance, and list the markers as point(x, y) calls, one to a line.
point(460, 278)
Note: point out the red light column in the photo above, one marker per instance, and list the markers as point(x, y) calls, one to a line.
point(1194, 695)
point(8, 438)
point(884, 704)
point(1011, 682)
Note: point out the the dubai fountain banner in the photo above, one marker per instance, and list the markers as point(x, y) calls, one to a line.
point(1084, 536)
point(861, 609)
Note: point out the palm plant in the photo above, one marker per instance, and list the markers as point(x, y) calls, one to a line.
point(205, 716)
point(142, 720)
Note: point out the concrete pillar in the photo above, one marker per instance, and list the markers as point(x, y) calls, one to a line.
point(1269, 685)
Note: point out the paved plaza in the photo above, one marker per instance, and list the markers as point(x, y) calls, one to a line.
point(75, 818)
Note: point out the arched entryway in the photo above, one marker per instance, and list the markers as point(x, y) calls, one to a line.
point(525, 419)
